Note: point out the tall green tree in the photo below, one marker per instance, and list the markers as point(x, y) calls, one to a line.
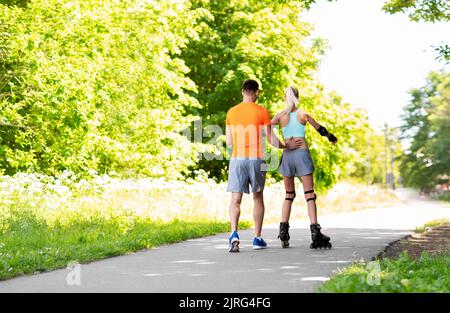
point(268, 41)
point(426, 127)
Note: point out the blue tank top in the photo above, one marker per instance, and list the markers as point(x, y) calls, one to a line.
point(294, 128)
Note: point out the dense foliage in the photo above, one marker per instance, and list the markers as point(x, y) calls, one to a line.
point(427, 127)
point(94, 85)
point(109, 86)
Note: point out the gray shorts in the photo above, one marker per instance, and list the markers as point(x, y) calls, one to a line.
point(243, 172)
point(295, 163)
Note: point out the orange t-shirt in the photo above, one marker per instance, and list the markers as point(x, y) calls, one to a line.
point(246, 121)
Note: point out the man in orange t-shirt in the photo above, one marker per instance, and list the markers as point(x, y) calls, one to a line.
point(246, 124)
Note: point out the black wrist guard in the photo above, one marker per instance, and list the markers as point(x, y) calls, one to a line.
point(323, 131)
point(332, 138)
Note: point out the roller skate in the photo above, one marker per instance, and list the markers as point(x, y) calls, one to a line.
point(284, 234)
point(319, 240)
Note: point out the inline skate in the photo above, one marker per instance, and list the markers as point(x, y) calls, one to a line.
point(319, 240)
point(284, 234)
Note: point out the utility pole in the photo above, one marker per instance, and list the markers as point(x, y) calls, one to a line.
point(368, 158)
point(386, 140)
point(392, 166)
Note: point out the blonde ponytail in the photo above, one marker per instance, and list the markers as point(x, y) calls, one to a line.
point(291, 98)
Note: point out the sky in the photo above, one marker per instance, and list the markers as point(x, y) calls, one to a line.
point(375, 58)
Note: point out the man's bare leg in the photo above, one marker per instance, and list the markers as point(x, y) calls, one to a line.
point(235, 210)
point(258, 212)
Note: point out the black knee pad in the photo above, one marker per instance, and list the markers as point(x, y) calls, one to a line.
point(292, 193)
point(310, 199)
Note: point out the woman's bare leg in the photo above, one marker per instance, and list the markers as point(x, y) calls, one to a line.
point(308, 184)
point(289, 185)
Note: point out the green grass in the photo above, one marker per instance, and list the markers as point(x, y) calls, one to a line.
point(30, 243)
point(427, 274)
point(434, 223)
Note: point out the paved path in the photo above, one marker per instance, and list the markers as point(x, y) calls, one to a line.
point(203, 265)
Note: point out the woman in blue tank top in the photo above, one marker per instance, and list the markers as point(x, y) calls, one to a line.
point(298, 163)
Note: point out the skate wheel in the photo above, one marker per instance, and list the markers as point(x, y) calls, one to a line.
point(320, 246)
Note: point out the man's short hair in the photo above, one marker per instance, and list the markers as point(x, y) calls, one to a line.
point(250, 85)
